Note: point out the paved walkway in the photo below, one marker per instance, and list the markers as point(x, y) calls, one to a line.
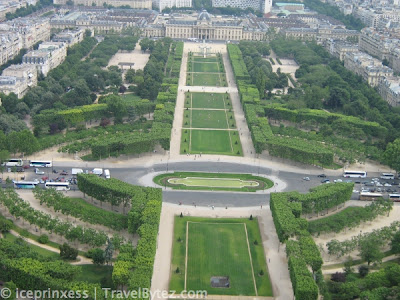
point(274, 254)
point(81, 259)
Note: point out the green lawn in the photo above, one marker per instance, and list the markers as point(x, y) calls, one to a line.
point(202, 59)
point(213, 181)
point(96, 274)
point(131, 97)
point(207, 100)
point(210, 142)
point(219, 247)
point(208, 119)
point(206, 79)
point(208, 67)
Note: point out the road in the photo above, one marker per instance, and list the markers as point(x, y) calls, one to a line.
point(142, 174)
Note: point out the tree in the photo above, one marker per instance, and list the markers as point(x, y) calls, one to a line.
point(395, 243)
point(392, 155)
point(67, 252)
point(117, 107)
point(5, 225)
point(370, 250)
point(97, 256)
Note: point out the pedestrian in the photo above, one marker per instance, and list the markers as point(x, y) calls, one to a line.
point(261, 206)
point(269, 260)
point(212, 207)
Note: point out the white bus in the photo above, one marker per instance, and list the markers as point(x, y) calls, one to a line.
point(25, 184)
point(387, 176)
point(59, 186)
point(14, 162)
point(40, 164)
point(356, 174)
point(394, 197)
point(370, 196)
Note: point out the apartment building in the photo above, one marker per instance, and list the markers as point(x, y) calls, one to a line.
point(321, 33)
point(10, 45)
point(389, 89)
point(70, 37)
point(31, 31)
point(47, 57)
point(138, 4)
point(161, 4)
point(369, 68)
point(17, 79)
point(339, 48)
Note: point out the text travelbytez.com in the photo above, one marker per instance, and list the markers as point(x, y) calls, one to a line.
point(6, 293)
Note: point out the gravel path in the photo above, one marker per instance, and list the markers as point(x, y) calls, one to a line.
point(274, 254)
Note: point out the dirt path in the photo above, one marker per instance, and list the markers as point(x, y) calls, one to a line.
point(274, 254)
point(81, 259)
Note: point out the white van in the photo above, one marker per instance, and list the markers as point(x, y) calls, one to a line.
point(97, 171)
point(107, 174)
point(76, 171)
point(38, 172)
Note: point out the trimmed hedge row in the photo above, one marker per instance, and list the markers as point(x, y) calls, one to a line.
point(302, 252)
point(279, 112)
point(133, 269)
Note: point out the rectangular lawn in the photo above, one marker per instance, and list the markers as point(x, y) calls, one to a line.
point(210, 141)
point(219, 247)
point(207, 79)
point(209, 67)
point(207, 59)
point(209, 119)
point(219, 250)
point(208, 100)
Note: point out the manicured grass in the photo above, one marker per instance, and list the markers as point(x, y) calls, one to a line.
point(202, 59)
point(211, 142)
point(207, 100)
point(209, 119)
point(206, 79)
point(213, 182)
point(208, 67)
point(96, 274)
point(164, 180)
point(219, 247)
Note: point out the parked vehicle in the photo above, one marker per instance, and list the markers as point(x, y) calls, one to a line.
point(97, 171)
point(108, 176)
point(76, 171)
point(325, 181)
point(322, 175)
point(38, 172)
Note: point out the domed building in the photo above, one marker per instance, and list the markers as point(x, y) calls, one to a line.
point(204, 26)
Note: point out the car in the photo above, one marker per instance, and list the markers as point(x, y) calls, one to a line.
point(338, 180)
point(387, 184)
point(20, 169)
point(364, 190)
point(322, 175)
point(378, 184)
point(369, 184)
point(306, 178)
point(348, 180)
point(63, 172)
point(325, 181)
point(356, 191)
point(375, 179)
point(38, 172)
point(357, 181)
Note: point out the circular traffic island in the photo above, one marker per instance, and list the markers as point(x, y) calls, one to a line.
point(213, 181)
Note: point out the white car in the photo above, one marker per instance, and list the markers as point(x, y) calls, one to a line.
point(338, 180)
point(38, 172)
point(387, 184)
point(378, 184)
point(306, 178)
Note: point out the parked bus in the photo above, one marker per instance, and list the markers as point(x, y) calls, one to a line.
point(370, 196)
point(40, 164)
point(59, 186)
point(25, 184)
point(387, 176)
point(14, 162)
point(394, 197)
point(356, 174)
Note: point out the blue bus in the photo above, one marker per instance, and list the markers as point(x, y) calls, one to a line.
point(25, 184)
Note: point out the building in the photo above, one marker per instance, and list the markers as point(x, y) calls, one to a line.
point(31, 31)
point(321, 33)
point(369, 68)
point(47, 57)
point(17, 79)
point(389, 89)
point(70, 37)
point(260, 5)
point(138, 4)
point(374, 43)
point(339, 48)
point(208, 27)
point(10, 45)
point(161, 4)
